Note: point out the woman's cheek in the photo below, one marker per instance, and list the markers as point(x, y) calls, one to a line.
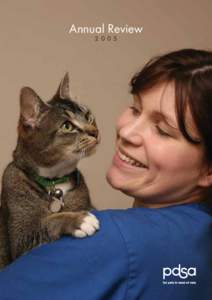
point(161, 155)
point(168, 157)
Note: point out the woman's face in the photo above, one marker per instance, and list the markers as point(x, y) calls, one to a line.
point(153, 162)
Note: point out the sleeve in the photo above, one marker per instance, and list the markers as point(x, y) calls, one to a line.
point(92, 268)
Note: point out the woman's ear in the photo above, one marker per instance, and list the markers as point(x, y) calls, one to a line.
point(205, 179)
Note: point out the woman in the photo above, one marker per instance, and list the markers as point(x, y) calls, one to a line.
point(161, 247)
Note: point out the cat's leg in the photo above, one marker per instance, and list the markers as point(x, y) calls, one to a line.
point(52, 227)
point(78, 224)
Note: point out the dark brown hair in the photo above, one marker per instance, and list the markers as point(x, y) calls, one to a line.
point(191, 72)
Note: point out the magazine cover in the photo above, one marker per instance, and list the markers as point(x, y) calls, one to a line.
point(106, 150)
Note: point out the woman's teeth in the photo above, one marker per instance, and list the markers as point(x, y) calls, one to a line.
point(130, 160)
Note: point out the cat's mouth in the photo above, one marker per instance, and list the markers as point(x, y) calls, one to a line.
point(88, 149)
point(88, 145)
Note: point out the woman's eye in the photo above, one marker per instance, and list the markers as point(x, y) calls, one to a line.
point(161, 132)
point(135, 111)
point(67, 126)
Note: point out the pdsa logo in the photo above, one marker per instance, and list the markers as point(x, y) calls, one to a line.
point(179, 275)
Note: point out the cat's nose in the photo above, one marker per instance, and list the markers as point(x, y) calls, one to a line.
point(98, 138)
point(95, 133)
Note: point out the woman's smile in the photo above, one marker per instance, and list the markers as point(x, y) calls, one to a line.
point(124, 161)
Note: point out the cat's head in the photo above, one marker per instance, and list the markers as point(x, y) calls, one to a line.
point(59, 132)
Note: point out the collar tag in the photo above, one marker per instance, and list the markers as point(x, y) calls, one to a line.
point(56, 199)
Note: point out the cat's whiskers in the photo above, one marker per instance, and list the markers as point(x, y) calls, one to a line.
point(82, 153)
point(86, 144)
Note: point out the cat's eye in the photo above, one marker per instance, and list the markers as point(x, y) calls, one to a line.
point(67, 126)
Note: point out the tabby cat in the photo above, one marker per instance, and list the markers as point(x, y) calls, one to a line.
point(44, 195)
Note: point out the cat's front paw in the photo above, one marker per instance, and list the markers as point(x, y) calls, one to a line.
point(88, 226)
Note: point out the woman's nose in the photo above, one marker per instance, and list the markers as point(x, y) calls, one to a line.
point(131, 135)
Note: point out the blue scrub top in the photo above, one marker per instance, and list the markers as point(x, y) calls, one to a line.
point(138, 253)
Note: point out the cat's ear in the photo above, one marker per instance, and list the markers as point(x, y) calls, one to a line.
point(63, 89)
point(31, 107)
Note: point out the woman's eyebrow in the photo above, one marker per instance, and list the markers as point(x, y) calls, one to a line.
point(159, 116)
